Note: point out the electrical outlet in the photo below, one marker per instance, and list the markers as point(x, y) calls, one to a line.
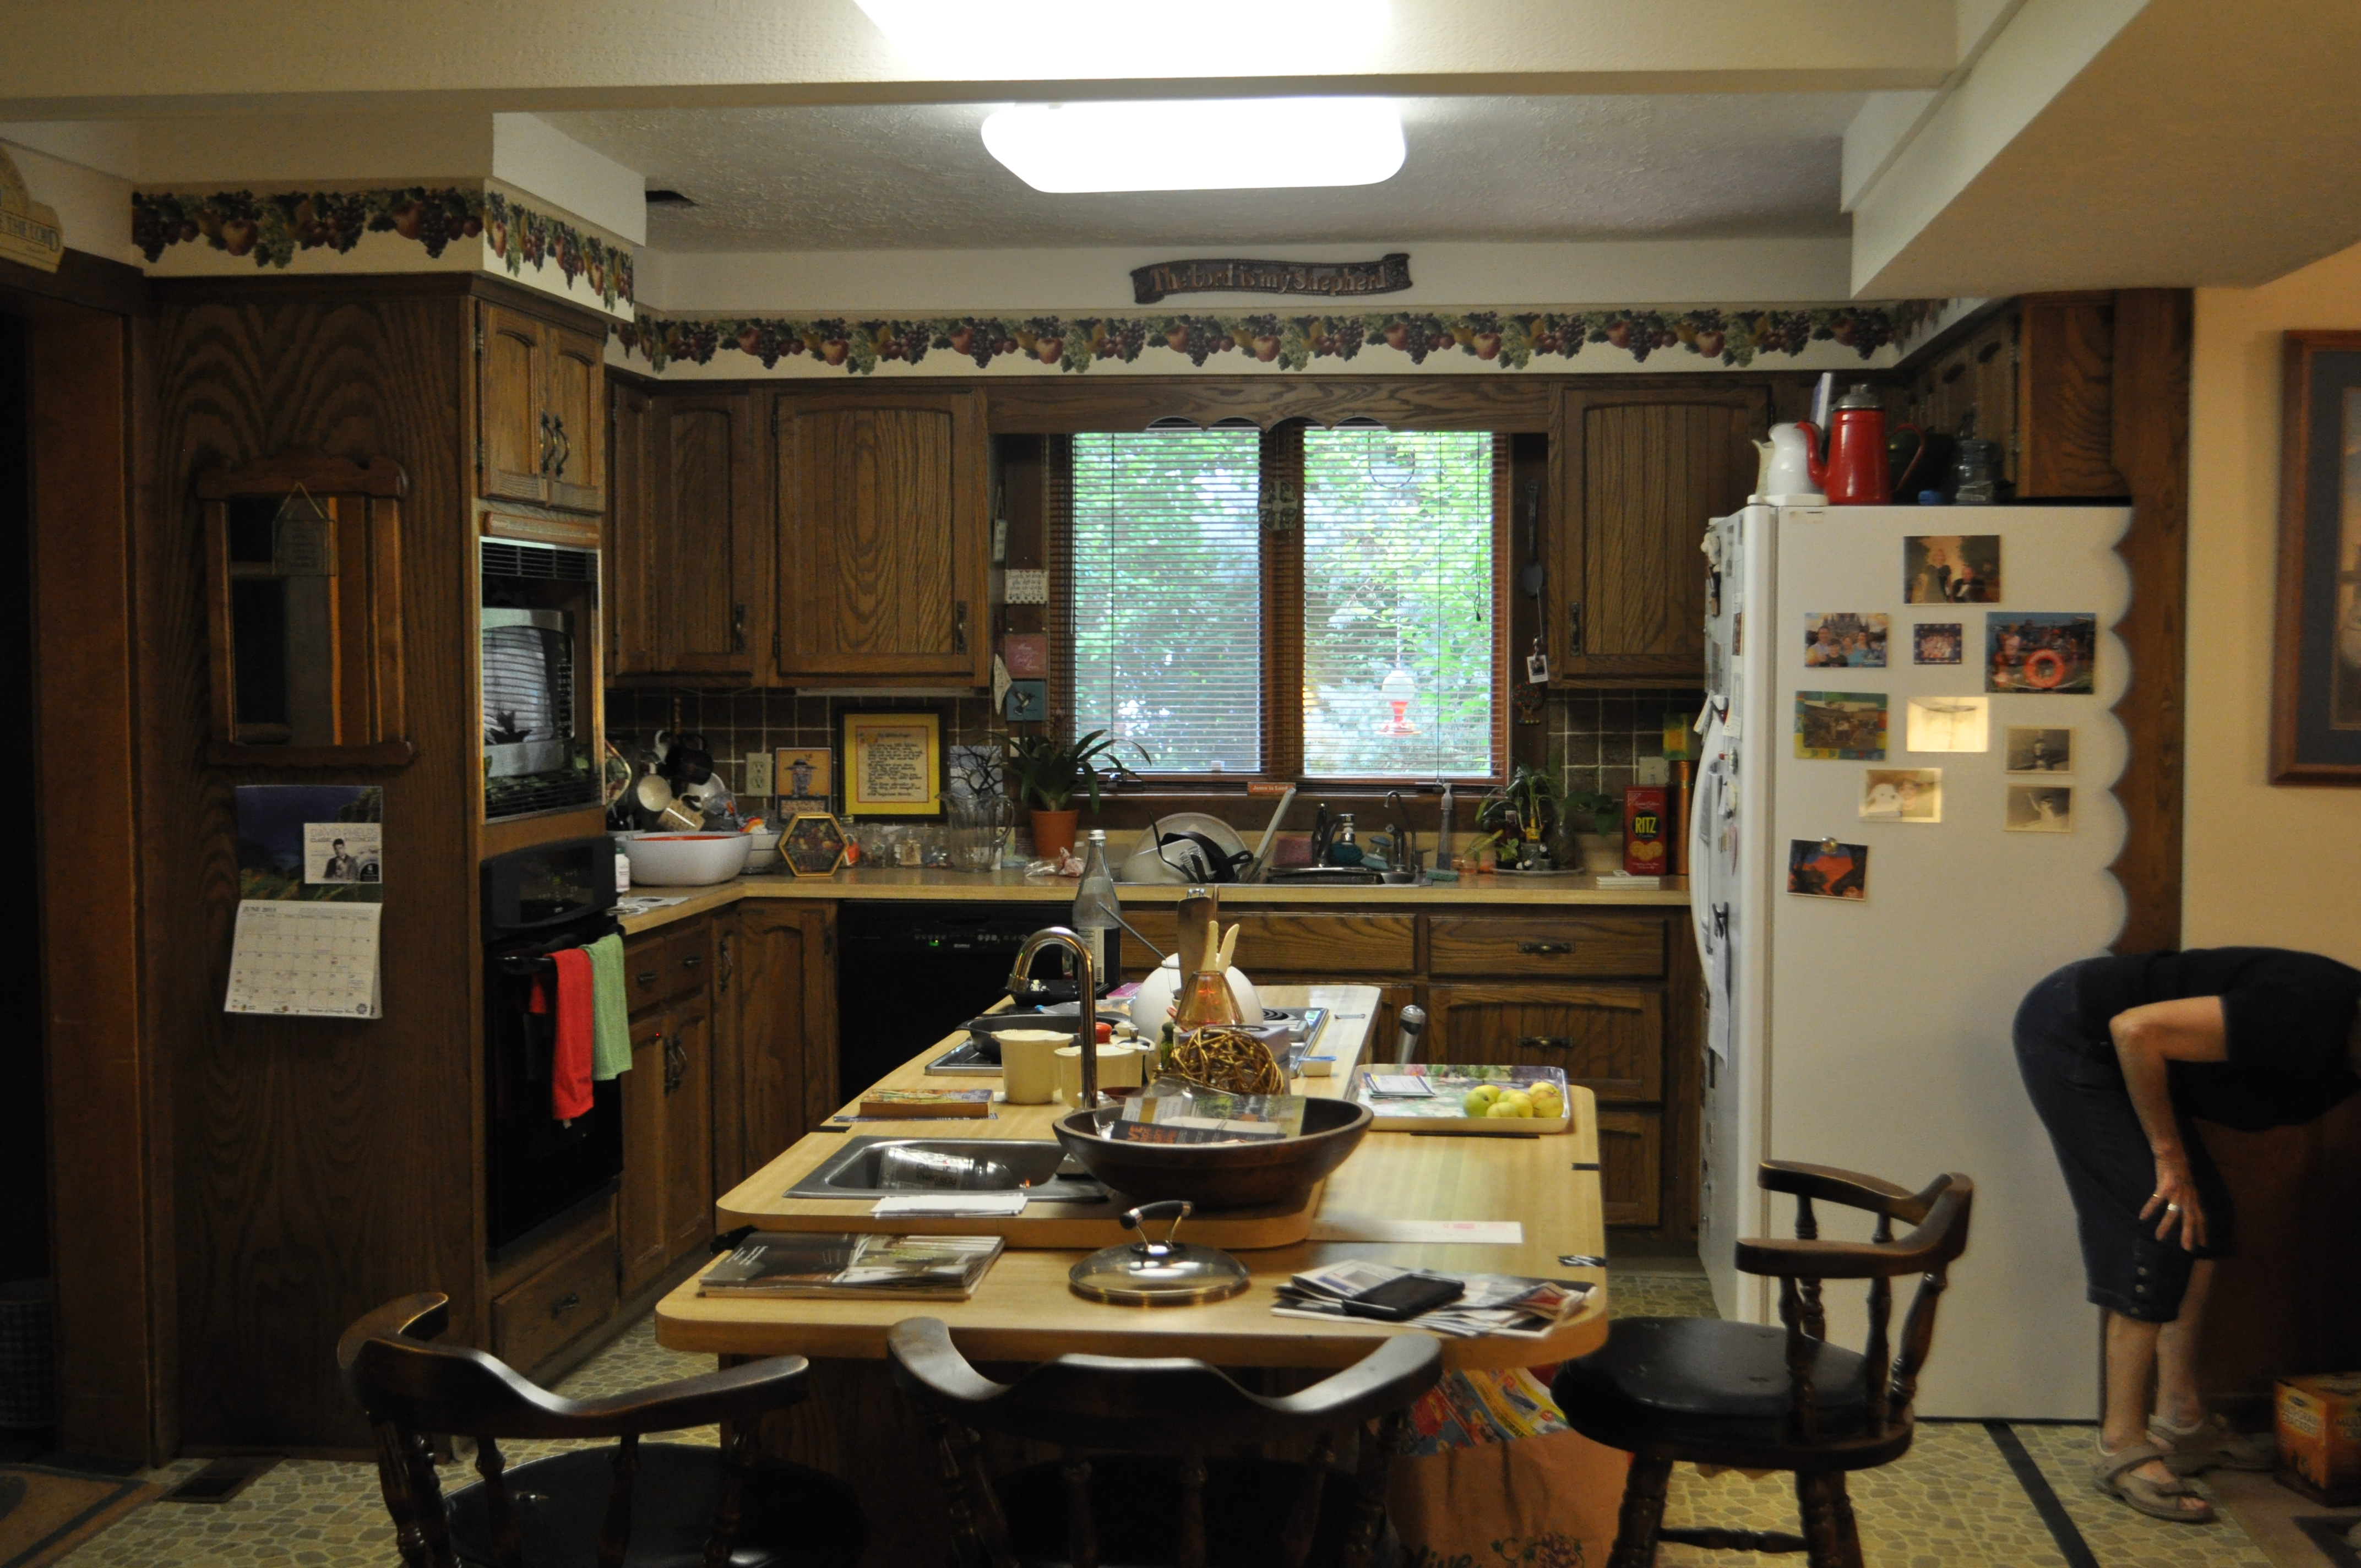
point(1651, 771)
point(758, 774)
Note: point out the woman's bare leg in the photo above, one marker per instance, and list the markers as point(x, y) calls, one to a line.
point(2177, 1401)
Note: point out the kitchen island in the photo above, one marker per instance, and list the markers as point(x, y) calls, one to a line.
point(1022, 1313)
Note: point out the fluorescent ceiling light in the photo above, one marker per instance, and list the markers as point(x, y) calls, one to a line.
point(1045, 40)
point(1233, 144)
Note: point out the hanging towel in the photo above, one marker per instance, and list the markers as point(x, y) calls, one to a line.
point(569, 1063)
point(610, 1042)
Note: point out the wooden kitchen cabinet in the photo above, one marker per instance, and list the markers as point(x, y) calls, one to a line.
point(628, 583)
point(881, 535)
point(712, 549)
point(1636, 475)
point(774, 1020)
point(1608, 1039)
point(2038, 376)
point(687, 1208)
point(639, 1238)
point(540, 410)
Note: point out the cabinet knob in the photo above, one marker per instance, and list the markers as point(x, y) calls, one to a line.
point(737, 628)
point(959, 626)
point(645, 977)
point(1542, 949)
point(565, 1303)
point(1573, 628)
point(692, 961)
point(1544, 1042)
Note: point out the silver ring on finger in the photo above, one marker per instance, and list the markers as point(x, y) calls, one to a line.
point(2172, 1208)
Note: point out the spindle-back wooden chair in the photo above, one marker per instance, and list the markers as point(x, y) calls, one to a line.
point(653, 1506)
point(1755, 1397)
point(1152, 1433)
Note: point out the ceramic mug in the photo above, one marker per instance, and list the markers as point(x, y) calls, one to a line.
point(1028, 1065)
point(1119, 1068)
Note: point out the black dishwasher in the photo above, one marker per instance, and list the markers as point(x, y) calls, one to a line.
point(907, 974)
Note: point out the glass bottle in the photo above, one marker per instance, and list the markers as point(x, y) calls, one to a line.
point(1097, 911)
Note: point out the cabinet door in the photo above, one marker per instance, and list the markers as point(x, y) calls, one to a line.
point(630, 532)
point(1609, 1040)
point(1637, 475)
point(574, 397)
point(688, 1133)
point(882, 543)
point(709, 545)
point(1631, 1168)
point(722, 1067)
point(640, 1217)
point(511, 446)
point(783, 966)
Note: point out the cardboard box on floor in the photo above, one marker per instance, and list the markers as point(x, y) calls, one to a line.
point(2318, 1423)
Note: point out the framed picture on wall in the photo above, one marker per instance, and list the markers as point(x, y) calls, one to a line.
point(2316, 673)
point(893, 765)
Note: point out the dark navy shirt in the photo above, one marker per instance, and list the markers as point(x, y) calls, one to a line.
point(2288, 1017)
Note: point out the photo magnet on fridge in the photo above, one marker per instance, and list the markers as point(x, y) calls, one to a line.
point(1937, 642)
point(1951, 568)
point(2033, 749)
point(2040, 808)
point(1902, 794)
point(1948, 724)
point(1847, 727)
point(1845, 640)
point(1822, 868)
point(2030, 652)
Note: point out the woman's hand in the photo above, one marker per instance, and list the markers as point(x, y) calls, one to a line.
point(2176, 1196)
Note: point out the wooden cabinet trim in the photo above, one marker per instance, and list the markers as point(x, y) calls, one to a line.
point(1544, 945)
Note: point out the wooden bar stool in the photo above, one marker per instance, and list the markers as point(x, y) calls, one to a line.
point(1153, 1429)
point(658, 1506)
point(1755, 1397)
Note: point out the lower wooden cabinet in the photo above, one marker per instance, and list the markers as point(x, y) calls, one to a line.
point(1630, 1166)
point(774, 1020)
point(540, 1316)
point(1608, 1039)
point(666, 1204)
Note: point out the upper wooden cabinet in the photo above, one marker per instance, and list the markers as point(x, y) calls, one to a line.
point(712, 543)
point(2037, 376)
point(541, 410)
point(625, 599)
point(882, 537)
point(1636, 475)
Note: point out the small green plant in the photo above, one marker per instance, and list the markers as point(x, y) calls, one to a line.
point(1587, 811)
point(1050, 771)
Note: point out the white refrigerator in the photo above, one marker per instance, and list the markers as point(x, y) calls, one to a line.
point(1872, 900)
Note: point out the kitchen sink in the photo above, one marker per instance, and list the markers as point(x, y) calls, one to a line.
point(867, 1168)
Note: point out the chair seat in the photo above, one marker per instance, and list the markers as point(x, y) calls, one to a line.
point(1136, 1500)
point(1707, 1388)
point(793, 1518)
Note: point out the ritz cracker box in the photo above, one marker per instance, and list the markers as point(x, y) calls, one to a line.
point(1647, 835)
point(2318, 1420)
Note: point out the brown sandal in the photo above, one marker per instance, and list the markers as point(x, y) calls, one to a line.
point(2211, 1442)
point(2114, 1474)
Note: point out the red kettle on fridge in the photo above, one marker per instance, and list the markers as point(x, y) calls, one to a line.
point(1855, 474)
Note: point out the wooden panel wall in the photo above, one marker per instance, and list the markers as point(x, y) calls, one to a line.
point(322, 1167)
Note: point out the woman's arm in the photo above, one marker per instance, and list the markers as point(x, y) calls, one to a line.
point(2147, 1039)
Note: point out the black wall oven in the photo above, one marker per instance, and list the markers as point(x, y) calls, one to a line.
point(537, 1170)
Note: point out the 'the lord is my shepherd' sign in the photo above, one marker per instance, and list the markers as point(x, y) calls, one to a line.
point(1207, 275)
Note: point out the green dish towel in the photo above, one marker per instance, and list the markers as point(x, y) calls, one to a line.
point(610, 1031)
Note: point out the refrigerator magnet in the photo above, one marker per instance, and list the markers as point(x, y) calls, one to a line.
point(1951, 568)
point(2040, 808)
point(1902, 794)
point(1823, 868)
point(1847, 727)
point(1937, 642)
point(2040, 748)
point(2041, 653)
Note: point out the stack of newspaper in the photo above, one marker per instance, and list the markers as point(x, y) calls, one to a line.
point(1487, 1304)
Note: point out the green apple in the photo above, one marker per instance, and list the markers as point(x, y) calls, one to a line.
point(1479, 1100)
point(1506, 1111)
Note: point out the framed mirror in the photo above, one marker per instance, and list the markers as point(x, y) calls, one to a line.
point(303, 576)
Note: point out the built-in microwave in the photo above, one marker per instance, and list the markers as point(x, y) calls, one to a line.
point(538, 626)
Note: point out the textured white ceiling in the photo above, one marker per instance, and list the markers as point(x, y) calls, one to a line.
point(874, 178)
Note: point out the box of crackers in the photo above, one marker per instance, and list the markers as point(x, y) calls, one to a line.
point(2318, 1420)
point(1647, 832)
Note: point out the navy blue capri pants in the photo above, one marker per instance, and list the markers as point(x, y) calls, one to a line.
point(2078, 1090)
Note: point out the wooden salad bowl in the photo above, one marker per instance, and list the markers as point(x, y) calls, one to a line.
point(1277, 1173)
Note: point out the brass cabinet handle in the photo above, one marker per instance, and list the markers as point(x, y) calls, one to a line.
point(737, 628)
point(692, 961)
point(1573, 628)
point(645, 977)
point(1545, 949)
point(675, 1064)
point(544, 444)
point(1544, 1042)
point(725, 968)
point(959, 626)
point(564, 449)
point(565, 1303)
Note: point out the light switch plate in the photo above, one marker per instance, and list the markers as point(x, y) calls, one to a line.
point(758, 774)
point(1651, 771)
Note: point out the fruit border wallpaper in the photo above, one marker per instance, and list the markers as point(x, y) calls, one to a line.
point(273, 227)
point(1513, 340)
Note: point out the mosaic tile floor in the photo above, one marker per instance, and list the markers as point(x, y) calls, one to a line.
point(1953, 1502)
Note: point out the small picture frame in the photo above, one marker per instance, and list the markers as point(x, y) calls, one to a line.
point(1951, 568)
point(1537, 668)
point(2040, 748)
point(1026, 654)
point(893, 765)
point(813, 844)
point(1027, 702)
point(804, 777)
point(1822, 868)
point(2040, 808)
point(1938, 643)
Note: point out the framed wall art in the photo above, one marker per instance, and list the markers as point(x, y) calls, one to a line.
point(893, 765)
point(2316, 671)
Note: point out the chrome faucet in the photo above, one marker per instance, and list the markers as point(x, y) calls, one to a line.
point(1405, 856)
point(1020, 980)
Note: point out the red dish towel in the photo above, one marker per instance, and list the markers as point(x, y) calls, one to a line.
point(569, 1064)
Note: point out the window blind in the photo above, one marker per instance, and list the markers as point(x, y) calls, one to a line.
point(1400, 603)
point(1159, 559)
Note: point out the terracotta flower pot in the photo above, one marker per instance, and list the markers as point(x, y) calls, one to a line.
point(1053, 832)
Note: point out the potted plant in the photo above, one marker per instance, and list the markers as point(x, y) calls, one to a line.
point(1050, 771)
point(1517, 821)
point(1597, 823)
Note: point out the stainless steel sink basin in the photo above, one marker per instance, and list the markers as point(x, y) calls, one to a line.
point(861, 1170)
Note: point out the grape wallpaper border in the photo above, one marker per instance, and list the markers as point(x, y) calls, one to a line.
point(1514, 340)
point(274, 227)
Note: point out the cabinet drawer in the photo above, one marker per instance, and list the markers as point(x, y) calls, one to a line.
point(1630, 1166)
point(1608, 1039)
point(1328, 946)
point(688, 960)
point(540, 1317)
point(1544, 945)
point(647, 971)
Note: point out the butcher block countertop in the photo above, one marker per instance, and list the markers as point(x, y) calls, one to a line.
point(1562, 890)
point(1023, 1311)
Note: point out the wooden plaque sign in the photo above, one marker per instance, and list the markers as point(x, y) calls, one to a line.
point(1334, 279)
point(28, 231)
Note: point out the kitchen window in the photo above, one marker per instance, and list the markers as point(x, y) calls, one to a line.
point(1304, 603)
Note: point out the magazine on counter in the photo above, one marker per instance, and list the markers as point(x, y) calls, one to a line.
point(1509, 1304)
point(855, 1267)
point(1174, 1111)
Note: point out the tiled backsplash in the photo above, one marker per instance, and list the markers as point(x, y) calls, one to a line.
point(1594, 736)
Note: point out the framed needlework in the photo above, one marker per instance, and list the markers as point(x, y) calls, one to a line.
point(893, 765)
point(2316, 671)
